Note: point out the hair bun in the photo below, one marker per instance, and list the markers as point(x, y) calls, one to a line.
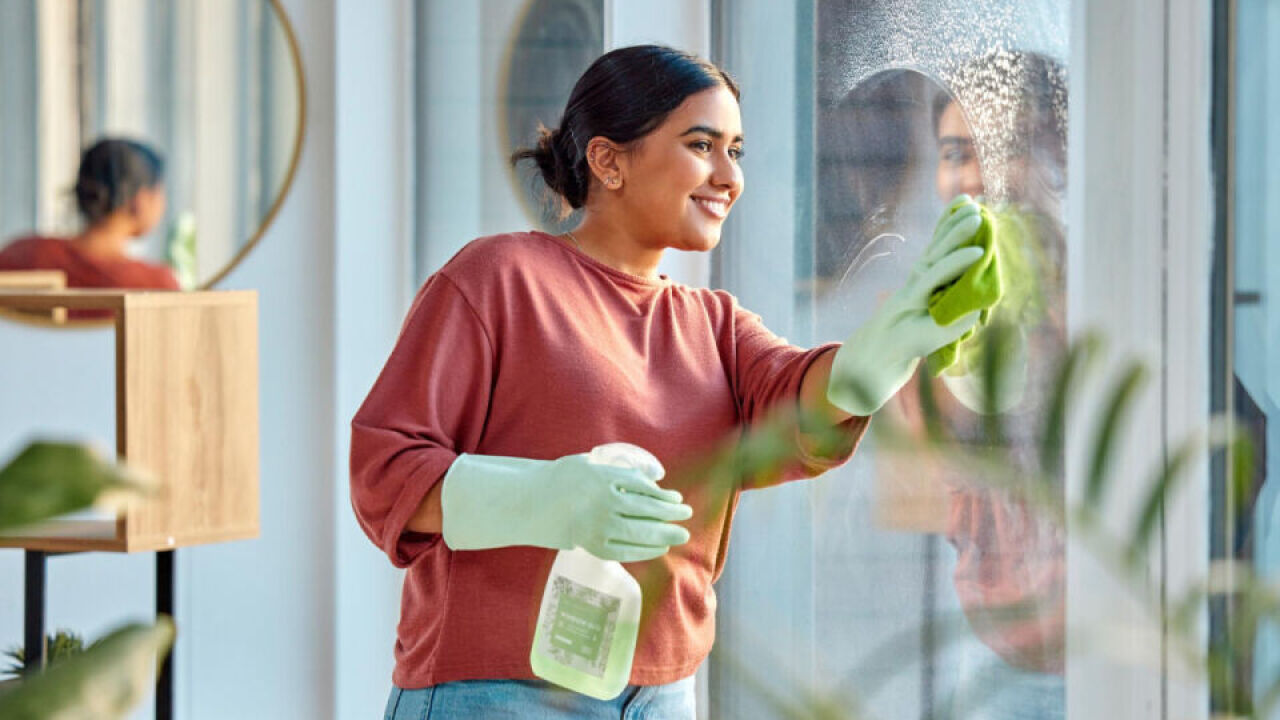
point(112, 171)
point(555, 157)
point(93, 197)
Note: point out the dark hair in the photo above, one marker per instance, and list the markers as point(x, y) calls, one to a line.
point(623, 96)
point(112, 171)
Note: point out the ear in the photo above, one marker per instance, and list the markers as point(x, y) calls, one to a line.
point(605, 159)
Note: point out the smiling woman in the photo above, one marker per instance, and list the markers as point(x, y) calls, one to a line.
point(471, 456)
point(651, 165)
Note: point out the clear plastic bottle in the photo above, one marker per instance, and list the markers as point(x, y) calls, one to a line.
point(585, 639)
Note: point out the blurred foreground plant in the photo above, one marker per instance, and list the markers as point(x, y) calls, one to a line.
point(60, 646)
point(115, 673)
point(768, 447)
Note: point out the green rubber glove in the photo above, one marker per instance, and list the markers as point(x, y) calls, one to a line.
point(879, 357)
point(615, 513)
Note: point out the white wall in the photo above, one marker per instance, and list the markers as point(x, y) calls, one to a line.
point(257, 618)
point(372, 293)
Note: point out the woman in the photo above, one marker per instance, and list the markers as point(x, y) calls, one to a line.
point(120, 193)
point(526, 350)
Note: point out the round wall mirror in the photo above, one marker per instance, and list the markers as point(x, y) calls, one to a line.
point(207, 100)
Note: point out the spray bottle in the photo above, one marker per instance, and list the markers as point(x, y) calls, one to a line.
point(585, 639)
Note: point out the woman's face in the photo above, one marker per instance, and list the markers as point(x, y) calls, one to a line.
point(147, 209)
point(958, 170)
point(681, 179)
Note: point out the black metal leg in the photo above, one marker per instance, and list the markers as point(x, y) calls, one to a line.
point(33, 619)
point(164, 605)
point(33, 609)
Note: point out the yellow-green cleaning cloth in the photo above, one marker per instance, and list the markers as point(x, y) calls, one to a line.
point(979, 288)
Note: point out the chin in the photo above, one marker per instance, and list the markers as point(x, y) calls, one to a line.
point(703, 238)
point(701, 244)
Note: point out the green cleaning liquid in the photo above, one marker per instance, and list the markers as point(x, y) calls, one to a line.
point(587, 627)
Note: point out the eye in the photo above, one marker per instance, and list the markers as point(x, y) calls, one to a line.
point(955, 156)
point(736, 153)
point(701, 145)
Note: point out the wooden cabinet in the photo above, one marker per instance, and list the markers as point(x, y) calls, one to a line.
point(186, 375)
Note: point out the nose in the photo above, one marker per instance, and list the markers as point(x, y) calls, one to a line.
point(970, 180)
point(726, 174)
point(956, 179)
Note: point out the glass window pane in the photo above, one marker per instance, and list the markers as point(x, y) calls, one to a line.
point(923, 588)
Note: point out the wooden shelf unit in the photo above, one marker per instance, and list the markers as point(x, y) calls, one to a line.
point(186, 414)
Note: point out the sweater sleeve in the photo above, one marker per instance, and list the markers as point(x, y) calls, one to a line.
point(769, 373)
point(768, 370)
point(428, 405)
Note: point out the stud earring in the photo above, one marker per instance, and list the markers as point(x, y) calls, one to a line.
point(612, 182)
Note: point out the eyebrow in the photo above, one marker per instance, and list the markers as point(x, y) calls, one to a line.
point(954, 140)
point(717, 134)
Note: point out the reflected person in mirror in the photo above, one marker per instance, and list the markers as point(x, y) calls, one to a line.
point(120, 193)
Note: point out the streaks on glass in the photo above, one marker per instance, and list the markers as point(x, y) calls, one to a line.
point(866, 256)
point(877, 158)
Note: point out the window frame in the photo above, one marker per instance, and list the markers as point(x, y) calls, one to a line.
point(1140, 209)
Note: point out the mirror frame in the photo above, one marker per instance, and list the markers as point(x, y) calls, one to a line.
point(295, 55)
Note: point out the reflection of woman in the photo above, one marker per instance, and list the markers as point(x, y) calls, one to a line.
point(1010, 567)
point(526, 350)
point(119, 192)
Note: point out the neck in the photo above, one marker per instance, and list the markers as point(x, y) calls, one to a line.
point(613, 243)
point(108, 237)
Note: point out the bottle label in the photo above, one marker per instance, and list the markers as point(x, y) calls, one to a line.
point(579, 627)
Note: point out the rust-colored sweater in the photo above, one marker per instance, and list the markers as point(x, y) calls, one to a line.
point(523, 346)
point(83, 270)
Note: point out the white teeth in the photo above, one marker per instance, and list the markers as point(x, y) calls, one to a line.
point(719, 208)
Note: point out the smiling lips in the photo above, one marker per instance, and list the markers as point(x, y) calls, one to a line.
point(716, 207)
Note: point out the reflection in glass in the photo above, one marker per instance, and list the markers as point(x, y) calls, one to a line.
point(210, 84)
point(897, 569)
point(906, 147)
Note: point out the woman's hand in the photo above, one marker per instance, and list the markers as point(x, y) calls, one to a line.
point(879, 357)
point(613, 512)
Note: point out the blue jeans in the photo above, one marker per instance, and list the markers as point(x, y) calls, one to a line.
point(539, 700)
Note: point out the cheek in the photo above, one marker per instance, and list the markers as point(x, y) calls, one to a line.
point(948, 181)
